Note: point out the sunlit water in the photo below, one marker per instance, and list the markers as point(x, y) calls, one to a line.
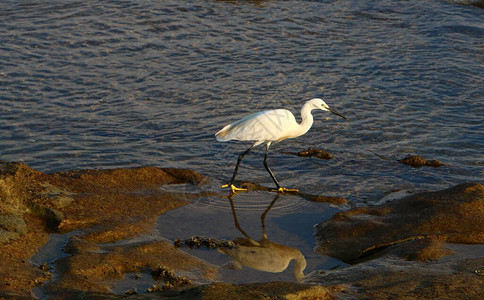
point(104, 84)
point(97, 84)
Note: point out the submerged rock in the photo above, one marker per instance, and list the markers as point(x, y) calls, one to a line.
point(324, 199)
point(312, 152)
point(478, 3)
point(418, 161)
point(424, 221)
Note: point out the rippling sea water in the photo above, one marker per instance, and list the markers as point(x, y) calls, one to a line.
point(103, 84)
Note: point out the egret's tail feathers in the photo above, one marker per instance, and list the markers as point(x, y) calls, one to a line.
point(222, 134)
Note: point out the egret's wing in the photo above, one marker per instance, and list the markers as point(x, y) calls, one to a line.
point(238, 129)
point(270, 125)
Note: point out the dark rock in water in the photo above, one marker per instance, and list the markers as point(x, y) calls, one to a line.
point(170, 279)
point(324, 155)
point(315, 152)
point(325, 199)
point(478, 3)
point(417, 161)
point(312, 152)
point(422, 222)
point(204, 242)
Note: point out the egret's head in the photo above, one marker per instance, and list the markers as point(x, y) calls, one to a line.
point(320, 104)
point(317, 103)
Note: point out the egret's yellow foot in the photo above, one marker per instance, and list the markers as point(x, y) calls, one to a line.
point(233, 188)
point(284, 190)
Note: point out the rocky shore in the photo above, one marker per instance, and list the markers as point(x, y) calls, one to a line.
point(428, 245)
point(425, 245)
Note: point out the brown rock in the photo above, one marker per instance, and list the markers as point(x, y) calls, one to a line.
point(315, 152)
point(253, 291)
point(108, 205)
point(17, 276)
point(453, 215)
point(425, 249)
point(312, 152)
point(391, 277)
point(21, 234)
point(115, 204)
point(124, 179)
point(325, 199)
point(93, 268)
point(417, 161)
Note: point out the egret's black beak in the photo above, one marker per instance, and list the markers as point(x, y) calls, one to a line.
point(334, 111)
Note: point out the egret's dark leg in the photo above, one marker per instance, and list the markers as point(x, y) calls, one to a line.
point(267, 166)
point(238, 163)
point(264, 214)
point(237, 225)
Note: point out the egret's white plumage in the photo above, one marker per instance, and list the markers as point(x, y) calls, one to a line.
point(271, 126)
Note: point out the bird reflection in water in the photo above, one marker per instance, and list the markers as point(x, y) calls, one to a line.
point(263, 255)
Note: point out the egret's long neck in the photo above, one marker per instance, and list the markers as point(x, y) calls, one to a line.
point(307, 119)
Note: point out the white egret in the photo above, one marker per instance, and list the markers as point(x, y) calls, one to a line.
point(268, 127)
